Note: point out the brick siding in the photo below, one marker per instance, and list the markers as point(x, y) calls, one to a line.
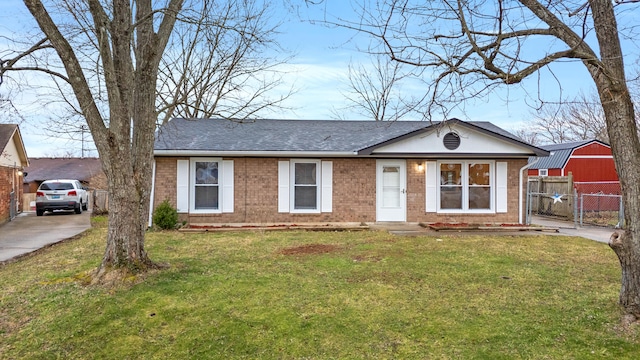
point(7, 179)
point(354, 194)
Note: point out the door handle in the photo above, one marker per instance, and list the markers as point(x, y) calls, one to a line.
point(403, 191)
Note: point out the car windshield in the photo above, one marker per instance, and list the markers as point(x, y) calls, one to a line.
point(56, 186)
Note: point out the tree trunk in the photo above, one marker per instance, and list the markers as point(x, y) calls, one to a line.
point(128, 152)
point(630, 262)
point(125, 238)
point(126, 233)
point(609, 77)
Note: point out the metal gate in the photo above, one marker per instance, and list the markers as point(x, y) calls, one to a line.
point(12, 205)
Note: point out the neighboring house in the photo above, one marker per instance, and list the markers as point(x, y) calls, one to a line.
point(590, 162)
point(306, 171)
point(87, 170)
point(13, 159)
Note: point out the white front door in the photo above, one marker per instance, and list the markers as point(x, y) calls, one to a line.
point(391, 190)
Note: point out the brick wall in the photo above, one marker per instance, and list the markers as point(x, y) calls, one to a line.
point(354, 194)
point(7, 179)
point(256, 192)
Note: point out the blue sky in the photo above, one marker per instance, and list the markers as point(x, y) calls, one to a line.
point(318, 72)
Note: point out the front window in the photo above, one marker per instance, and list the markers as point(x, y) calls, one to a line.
point(207, 186)
point(479, 186)
point(306, 187)
point(466, 186)
point(451, 186)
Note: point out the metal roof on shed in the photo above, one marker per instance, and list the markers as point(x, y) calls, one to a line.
point(559, 154)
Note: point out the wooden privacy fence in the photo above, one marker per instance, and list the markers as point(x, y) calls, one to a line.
point(29, 202)
point(100, 202)
point(551, 195)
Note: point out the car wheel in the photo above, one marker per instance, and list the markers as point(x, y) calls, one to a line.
point(78, 208)
point(39, 212)
point(85, 206)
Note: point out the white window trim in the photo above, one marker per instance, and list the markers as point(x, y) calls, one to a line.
point(465, 188)
point(543, 172)
point(292, 181)
point(192, 186)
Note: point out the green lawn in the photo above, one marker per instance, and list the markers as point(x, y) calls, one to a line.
point(321, 295)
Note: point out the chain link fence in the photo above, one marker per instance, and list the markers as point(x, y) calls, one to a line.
point(583, 203)
point(600, 203)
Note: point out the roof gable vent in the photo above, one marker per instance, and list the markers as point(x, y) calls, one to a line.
point(451, 141)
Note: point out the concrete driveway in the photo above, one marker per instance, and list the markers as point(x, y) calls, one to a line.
point(597, 233)
point(28, 232)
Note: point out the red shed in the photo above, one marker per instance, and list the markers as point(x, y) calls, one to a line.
point(590, 162)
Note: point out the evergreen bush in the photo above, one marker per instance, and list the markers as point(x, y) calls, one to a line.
point(165, 216)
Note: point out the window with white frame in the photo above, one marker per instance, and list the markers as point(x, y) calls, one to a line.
point(466, 186)
point(205, 185)
point(543, 172)
point(305, 190)
point(305, 186)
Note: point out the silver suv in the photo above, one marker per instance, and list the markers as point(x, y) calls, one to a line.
point(61, 195)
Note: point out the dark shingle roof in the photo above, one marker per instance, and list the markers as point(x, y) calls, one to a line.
point(6, 132)
point(41, 169)
point(9, 131)
point(295, 135)
point(559, 154)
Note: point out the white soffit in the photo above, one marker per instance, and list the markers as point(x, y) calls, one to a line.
point(10, 155)
point(471, 142)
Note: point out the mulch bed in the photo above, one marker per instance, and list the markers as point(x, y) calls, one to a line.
point(485, 227)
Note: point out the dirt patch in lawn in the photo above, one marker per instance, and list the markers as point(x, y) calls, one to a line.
point(309, 249)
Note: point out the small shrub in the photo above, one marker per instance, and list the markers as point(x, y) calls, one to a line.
point(165, 216)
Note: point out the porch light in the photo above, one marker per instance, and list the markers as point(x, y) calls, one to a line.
point(420, 167)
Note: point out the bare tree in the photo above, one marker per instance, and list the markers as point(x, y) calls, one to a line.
point(109, 54)
point(567, 121)
point(525, 134)
point(109, 60)
point(468, 48)
point(375, 91)
point(216, 66)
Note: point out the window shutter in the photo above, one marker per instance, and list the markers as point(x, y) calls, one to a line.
point(501, 187)
point(431, 173)
point(327, 186)
point(227, 186)
point(182, 191)
point(283, 186)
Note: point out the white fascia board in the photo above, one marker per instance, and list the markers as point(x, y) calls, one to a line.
point(256, 153)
